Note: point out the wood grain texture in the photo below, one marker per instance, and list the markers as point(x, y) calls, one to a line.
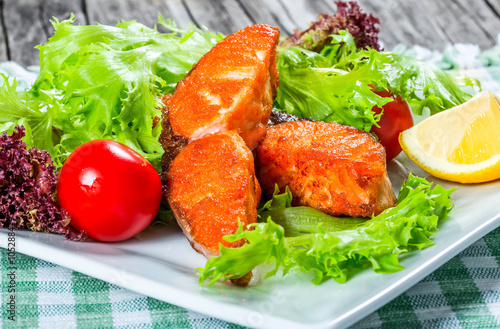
point(111, 12)
point(179, 13)
point(279, 13)
point(419, 28)
point(225, 16)
point(27, 25)
point(4, 47)
point(429, 23)
point(60, 9)
point(456, 22)
point(22, 41)
point(257, 11)
point(494, 6)
point(484, 15)
point(301, 12)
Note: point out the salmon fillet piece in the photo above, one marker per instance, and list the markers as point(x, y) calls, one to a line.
point(231, 87)
point(334, 168)
point(211, 186)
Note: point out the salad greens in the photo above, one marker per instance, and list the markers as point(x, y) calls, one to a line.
point(328, 252)
point(301, 219)
point(310, 87)
point(335, 85)
point(100, 81)
point(27, 189)
point(349, 16)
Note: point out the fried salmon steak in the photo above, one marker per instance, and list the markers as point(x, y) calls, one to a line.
point(231, 87)
point(334, 168)
point(211, 186)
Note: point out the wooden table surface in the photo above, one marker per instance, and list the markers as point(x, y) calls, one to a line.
point(429, 23)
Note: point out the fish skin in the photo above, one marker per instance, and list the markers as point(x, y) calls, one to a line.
point(334, 168)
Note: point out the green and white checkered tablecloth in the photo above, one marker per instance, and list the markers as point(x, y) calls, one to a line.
point(463, 293)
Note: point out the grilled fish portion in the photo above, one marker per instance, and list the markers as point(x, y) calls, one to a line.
point(337, 169)
point(211, 185)
point(232, 87)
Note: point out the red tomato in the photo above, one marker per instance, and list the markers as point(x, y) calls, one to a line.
point(109, 190)
point(396, 118)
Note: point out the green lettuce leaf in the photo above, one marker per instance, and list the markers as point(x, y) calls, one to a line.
point(310, 87)
point(423, 84)
point(299, 220)
point(15, 111)
point(328, 252)
point(336, 84)
point(99, 81)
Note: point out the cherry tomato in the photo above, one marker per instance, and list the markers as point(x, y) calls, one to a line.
point(397, 117)
point(109, 190)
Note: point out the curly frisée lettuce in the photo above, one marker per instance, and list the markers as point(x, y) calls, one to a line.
point(335, 85)
point(310, 87)
point(332, 252)
point(99, 81)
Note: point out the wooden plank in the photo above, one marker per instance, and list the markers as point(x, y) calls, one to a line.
point(179, 13)
point(484, 16)
point(61, 9)
point(225, 16)
point(494, 6)
point(456, 22)
point(303, 12)
point(111, 12)
point(331, 5)
point(279, 13)
point(4, 47)
point(23, 37)
point(258, 13)
point(401, 21)
point(433, 24)
point(428, 23)
point(406, 22)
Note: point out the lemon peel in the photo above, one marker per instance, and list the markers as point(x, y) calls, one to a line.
point(461, 144)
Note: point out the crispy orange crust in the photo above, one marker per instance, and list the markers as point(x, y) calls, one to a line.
point(337, 169)
point(232, 87)
point(211, 185)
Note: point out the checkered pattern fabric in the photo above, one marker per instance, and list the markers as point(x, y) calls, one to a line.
point(463, 293)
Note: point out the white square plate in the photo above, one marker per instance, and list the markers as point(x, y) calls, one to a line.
point(160, 264)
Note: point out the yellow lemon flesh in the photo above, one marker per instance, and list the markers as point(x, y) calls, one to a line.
point(461, 144)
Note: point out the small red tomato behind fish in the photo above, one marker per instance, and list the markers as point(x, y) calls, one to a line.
point(109, 190)
point(396, 118)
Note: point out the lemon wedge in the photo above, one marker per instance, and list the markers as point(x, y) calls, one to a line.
point(461, 144)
